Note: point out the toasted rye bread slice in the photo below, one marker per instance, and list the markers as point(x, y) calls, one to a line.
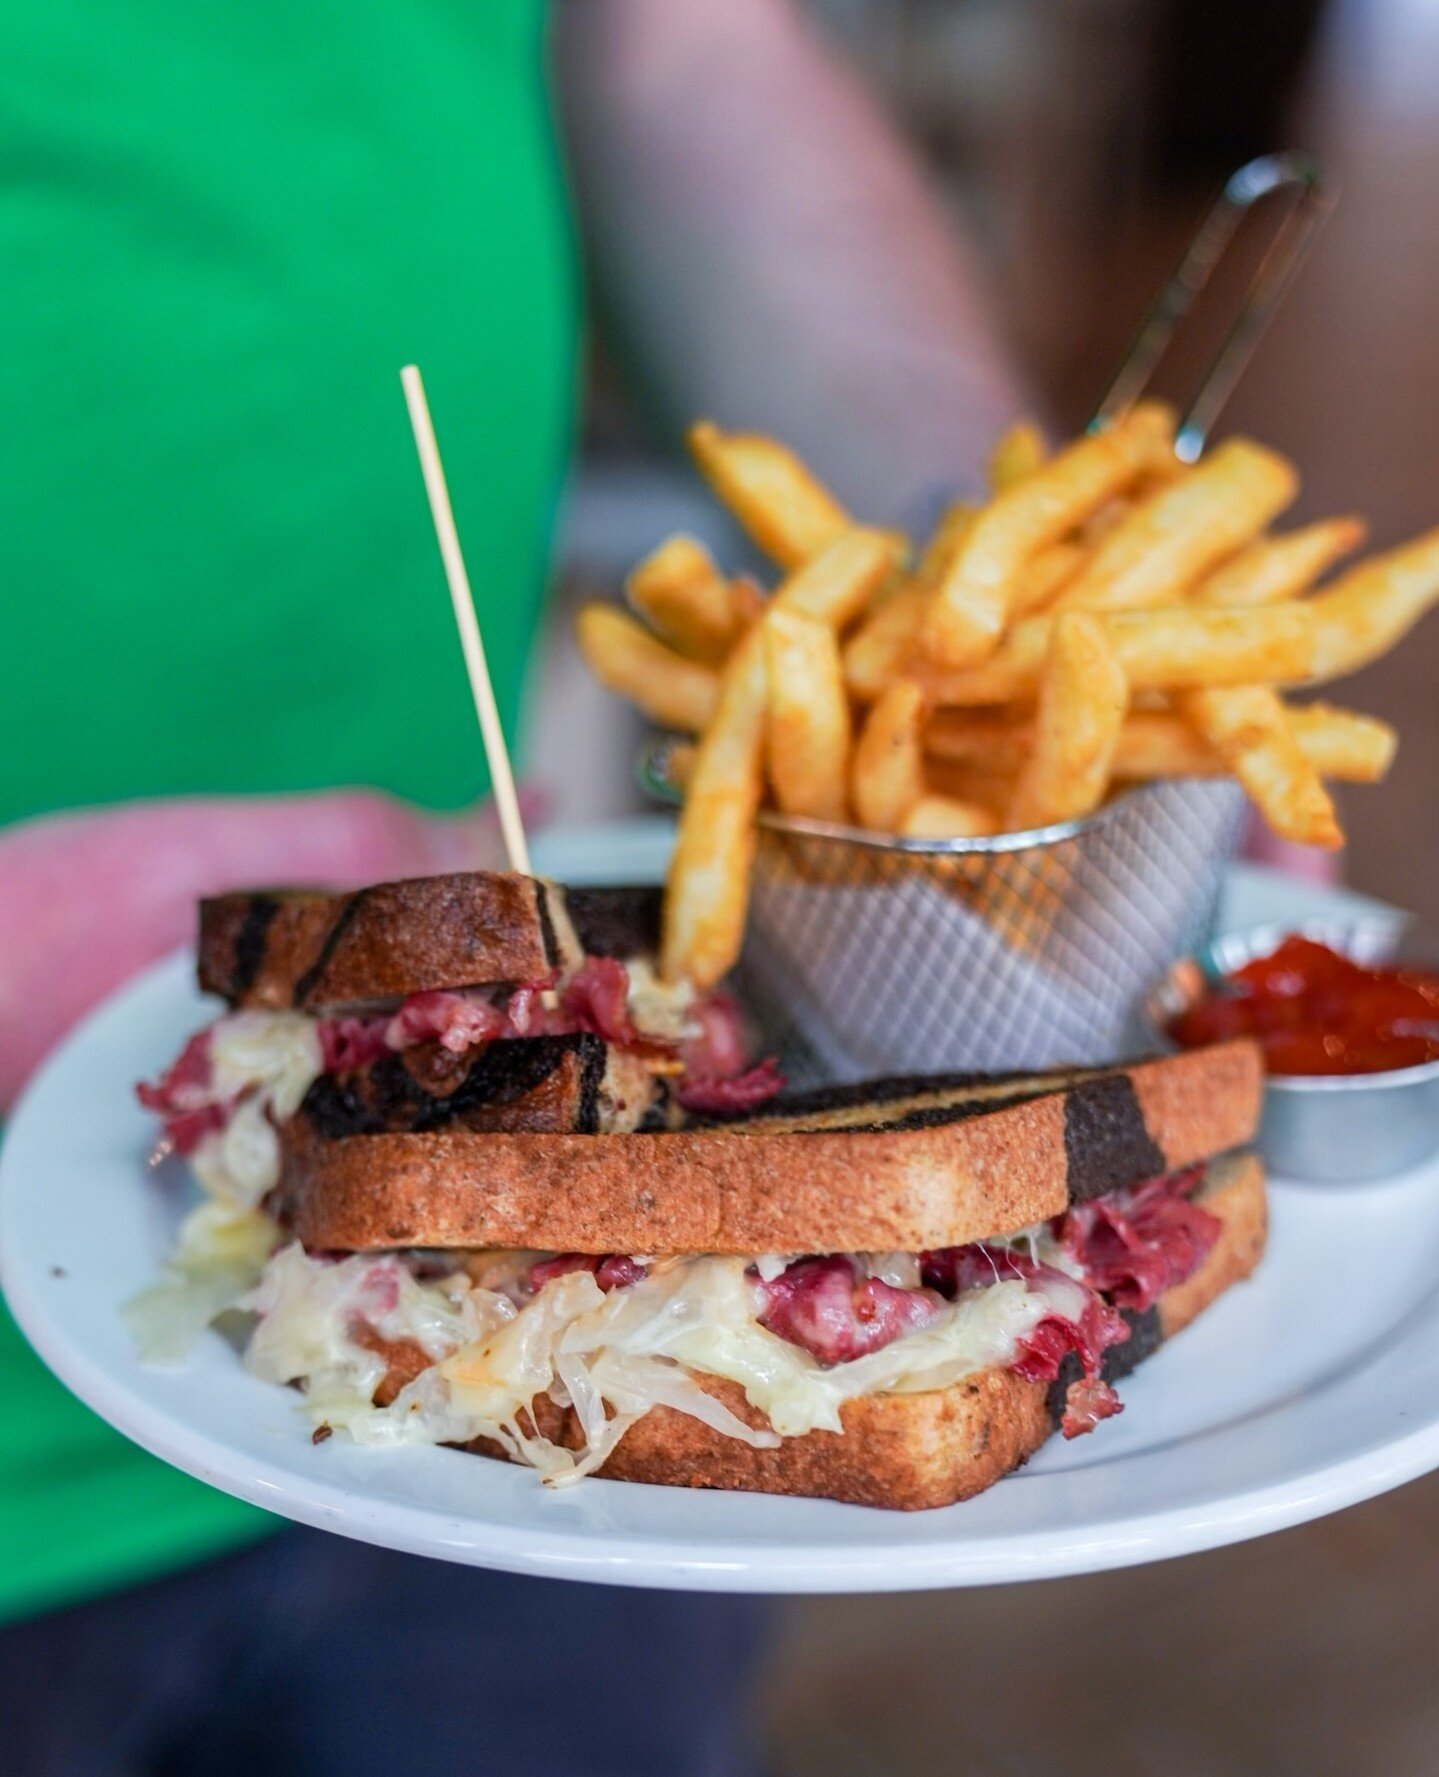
point(909, 1451)
point(309, 950)
point(577, 1083)
point(961, 1171)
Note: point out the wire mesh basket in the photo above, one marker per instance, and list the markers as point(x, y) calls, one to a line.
point(866, 954)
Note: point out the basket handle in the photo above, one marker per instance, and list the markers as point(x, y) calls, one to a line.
point(1298, 176)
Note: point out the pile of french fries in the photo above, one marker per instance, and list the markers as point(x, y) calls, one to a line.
point(1106, 616)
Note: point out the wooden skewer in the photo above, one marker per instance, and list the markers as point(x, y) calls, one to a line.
point(502, 777)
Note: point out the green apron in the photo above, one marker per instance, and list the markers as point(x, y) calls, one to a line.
point(222, 232)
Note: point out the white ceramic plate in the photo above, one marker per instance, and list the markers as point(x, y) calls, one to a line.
point(1311, 1387)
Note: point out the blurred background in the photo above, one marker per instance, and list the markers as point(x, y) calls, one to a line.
point(1080, 140)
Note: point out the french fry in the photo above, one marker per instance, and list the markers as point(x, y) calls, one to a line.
point(625, 657)
point(989, 785)
point(689, 603)
point(770, 491)
point(973, 602)
point(707, 893)
point(1343, 744)
point(1337, 743)
point(1275, 568)
point(1045, 576)
point(1162, 470)
point(1175, 537)
point(946, 817)
point(1363, 614)
point(749, 601)
point(1019, 453)
point(1082, 700)
point(1110, 616)
point(979, 739)
point(808, 734)
point(944, 544)
point(887, 776)
point(1174, 649)
point(1162, 745)
point(883, 646)
point(834, 586)
point(1110, 516)
point(1248, 727)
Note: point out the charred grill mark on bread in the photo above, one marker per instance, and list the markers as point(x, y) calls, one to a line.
point(1107, 1142)
point(594, 1061)
point(817, 1100)
point(425, 1089)
point(1106, 1138)
point(315, 974)
point(900, 1101)
point(1146, 1335)
point(250, 944)
point(549, 939)
point(389, 1095)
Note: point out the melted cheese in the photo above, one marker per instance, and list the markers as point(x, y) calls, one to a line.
point(276, 1053)
point(660, 1009)
point(219, 1257)
point(612, 1356)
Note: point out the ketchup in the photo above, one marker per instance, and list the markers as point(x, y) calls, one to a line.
point(1313, 1011)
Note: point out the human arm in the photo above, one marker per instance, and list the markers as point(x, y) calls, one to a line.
point(766, 250)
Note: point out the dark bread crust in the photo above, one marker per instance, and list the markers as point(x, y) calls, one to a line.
point(903, 1101)
point(310, 950)
point(577, 1083)
point(752, 1189)
point(905, 1452)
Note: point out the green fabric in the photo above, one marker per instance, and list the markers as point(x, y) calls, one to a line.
point(223, 229)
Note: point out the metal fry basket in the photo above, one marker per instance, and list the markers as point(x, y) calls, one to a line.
point(868, 955)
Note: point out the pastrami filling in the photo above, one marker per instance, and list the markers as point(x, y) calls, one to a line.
point(716, 1079)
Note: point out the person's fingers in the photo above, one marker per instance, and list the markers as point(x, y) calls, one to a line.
point(88, 898)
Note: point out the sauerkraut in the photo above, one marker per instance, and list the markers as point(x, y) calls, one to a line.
point(500, 1353)
point(219, 1257)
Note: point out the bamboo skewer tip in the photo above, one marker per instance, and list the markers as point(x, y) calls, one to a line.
point(502, 777)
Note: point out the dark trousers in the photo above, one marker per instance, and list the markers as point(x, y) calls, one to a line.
point(311, 1654)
